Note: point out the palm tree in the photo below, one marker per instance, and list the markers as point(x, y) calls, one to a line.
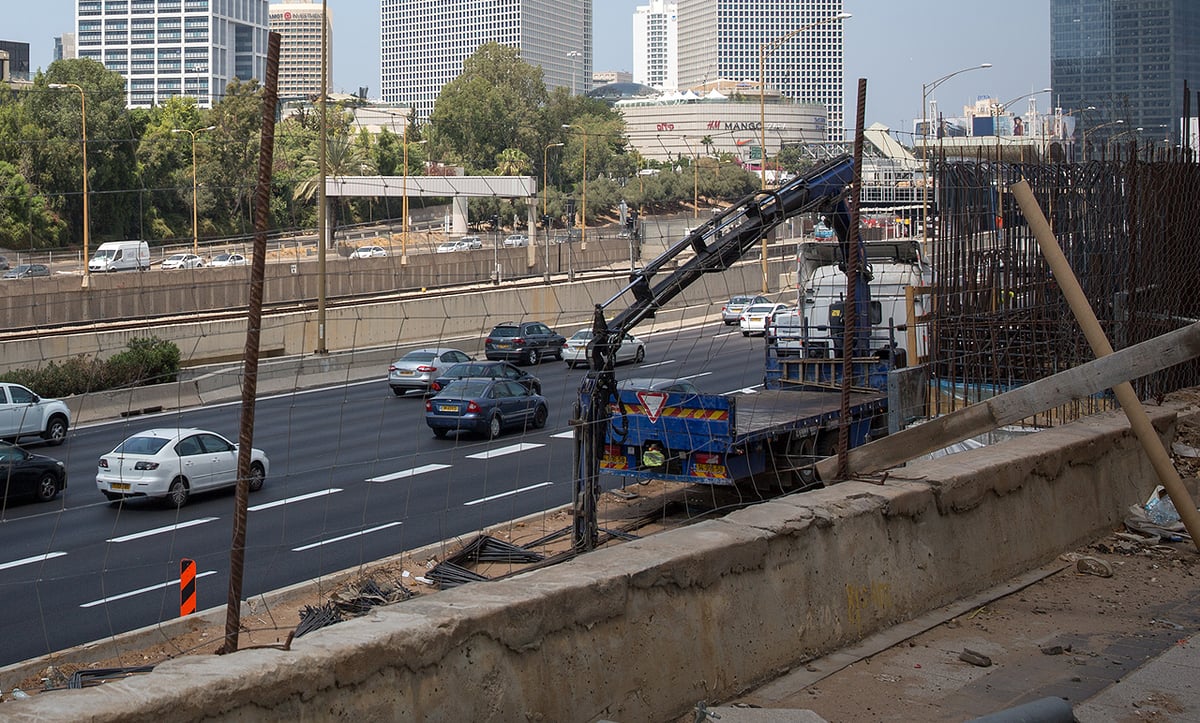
point(707, 142)
point(513, 162)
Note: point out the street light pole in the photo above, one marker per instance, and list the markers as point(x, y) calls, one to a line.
point(83, 127)
point(195, 213)
point(1093, 130)
point(762, 114)
point(404, 199)
point(545, 189)
point(574, 55)
point(926, 89)
point(1001, 107)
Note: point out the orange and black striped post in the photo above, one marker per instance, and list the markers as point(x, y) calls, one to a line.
point(187, 587)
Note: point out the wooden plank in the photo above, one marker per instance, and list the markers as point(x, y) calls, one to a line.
point(1071, 385)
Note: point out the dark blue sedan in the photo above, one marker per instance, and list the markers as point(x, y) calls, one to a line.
point(489, 369)
point(486, 406)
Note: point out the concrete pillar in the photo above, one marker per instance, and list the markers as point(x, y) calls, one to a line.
point(458, 216)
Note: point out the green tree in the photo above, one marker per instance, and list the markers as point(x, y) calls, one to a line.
point(26, 220)
point(492, 105)
point(513, 162)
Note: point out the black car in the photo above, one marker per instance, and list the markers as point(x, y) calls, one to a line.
point(25, 474)
point(523, 342)
point(488, 370)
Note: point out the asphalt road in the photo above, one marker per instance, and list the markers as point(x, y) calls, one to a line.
point(355, 476)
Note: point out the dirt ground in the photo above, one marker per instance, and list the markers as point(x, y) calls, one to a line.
point(1070, 633)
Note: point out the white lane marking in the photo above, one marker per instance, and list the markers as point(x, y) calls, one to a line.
point(511, 449)
point(744, 390)
point(696, 376)
point(298, 498)
point(506, 494)
point(131, 593)
point(657, 364)
point(409, 472)
point(569, 434)
point(345, 537)
point(30, 560)
point(160, 530)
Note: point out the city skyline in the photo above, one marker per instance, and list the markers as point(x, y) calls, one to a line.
point(891, 46)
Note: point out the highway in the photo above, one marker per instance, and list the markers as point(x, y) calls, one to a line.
point(356, 475)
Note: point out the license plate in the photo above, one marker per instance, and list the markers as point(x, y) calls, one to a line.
point(710, 470)
point(120, 485)
point(406, 372)
point(447, 408)
point(503, 346)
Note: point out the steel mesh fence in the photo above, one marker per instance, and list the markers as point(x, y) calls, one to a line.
point(1129, 229)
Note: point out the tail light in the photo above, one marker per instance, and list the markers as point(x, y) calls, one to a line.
point(429, 404)
point(145, 466)
point(518, 340)
point(473, 408)
point(426, 369)
point(435, 387)
point(103, 463)
point(391, 368)
point(724, 309)
point(489, 340)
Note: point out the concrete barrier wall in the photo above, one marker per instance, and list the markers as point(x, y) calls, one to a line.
point(643, 630)
point(441, 314)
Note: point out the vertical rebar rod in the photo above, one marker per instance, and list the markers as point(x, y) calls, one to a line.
point(850, 333)
point(262, 210)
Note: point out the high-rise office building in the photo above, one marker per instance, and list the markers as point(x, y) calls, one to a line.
point(299, 25)
point(721, 40)
point(64, 46)
point(424, 43)
point(174, 47)
point(18, 59)
point(1129, 60)
point(654, 45)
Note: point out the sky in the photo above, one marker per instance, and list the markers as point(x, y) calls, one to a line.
point(896, 46)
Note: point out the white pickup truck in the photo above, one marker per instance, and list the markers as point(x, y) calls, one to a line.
point(25, 414)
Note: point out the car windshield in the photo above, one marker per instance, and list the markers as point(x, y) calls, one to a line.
point(176, 257)
point(506, 331)
point(741, 300)
point(760, 308)
point(471, 370)
point(582, 335)
point(141, 445)
point(221, 257)
point(419, 356)
point(466, 388)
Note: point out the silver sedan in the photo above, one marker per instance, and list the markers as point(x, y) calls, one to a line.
point(417, 369)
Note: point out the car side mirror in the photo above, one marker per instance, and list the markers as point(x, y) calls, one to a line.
point(36, 399)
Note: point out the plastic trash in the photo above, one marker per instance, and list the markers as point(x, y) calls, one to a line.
point(1160, 509)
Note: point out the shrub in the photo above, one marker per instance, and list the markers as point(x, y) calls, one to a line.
point(144, 361)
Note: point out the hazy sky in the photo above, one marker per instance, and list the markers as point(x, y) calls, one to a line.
point(896, 46)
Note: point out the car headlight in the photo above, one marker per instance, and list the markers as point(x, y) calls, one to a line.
point(143, 466)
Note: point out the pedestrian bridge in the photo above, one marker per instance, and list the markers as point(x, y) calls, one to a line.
point(458, 188)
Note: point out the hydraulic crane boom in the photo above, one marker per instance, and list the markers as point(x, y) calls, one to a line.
point(717, 245)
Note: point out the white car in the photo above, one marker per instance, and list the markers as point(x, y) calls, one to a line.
point(172, 463)
point(369, 252)
point(25, 414)
point(754, 318)
point(183, 261)
point(452, 246)
point(575, 349)
point(515, 240)
point(229, 260)
point(472, 242)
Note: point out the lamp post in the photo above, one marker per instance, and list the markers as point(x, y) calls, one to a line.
point(195, 213)
point(1089, 131)
point(926, 89)
point(695, 178)
point(583, 213)
point(404, 199)
point(574, 55)
point(762, 82)
point(545, 189)
point(1072, 112)
point(83, 127)
point(1001, 107)
point(762, 112)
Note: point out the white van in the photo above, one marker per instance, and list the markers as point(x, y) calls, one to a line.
point(121, 255)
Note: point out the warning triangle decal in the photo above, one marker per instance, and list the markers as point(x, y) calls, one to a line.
point(653, 403)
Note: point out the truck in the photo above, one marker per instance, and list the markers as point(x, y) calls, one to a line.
point(901, 277)
point(775, 435)
point(121, 255)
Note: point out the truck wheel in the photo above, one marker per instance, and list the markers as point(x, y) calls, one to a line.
point(56, 430)
point(47, 488)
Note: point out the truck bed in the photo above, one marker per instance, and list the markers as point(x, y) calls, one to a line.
point(778, 409)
